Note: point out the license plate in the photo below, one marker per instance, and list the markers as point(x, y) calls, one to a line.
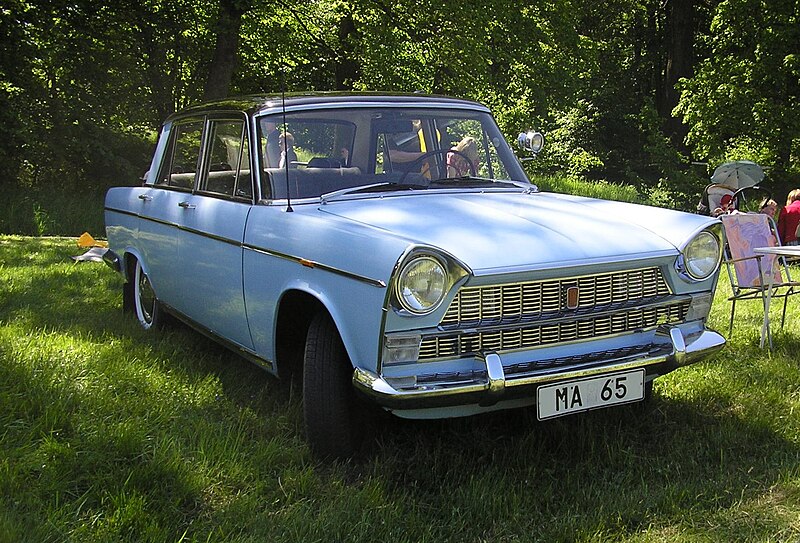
point(590, 393)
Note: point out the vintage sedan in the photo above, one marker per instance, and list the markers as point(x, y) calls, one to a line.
point(391, 250)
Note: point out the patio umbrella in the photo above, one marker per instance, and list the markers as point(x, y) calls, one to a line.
point(738, 174)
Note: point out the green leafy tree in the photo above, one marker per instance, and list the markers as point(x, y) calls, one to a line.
point(744, 100)
point(85, 83)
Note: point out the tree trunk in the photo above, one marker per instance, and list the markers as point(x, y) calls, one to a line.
point(226, 50)
point(679, 48)
point(346, 67)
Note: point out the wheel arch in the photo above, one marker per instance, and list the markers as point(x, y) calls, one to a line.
point(296, 309)
point(129, 259)
point(357, 323)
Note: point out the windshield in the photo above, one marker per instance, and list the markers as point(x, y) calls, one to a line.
point(328, 150)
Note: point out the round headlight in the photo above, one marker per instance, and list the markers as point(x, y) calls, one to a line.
point(421, 285)
point(701, 256)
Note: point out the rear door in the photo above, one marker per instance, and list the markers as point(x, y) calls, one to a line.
point(198, 208)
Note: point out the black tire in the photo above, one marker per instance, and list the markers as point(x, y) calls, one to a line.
point(128, 305)
point(648, 391)
point(330, 408)
point(147, 308)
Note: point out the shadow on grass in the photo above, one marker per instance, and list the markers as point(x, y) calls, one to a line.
point(621, 469)
point(703, 444)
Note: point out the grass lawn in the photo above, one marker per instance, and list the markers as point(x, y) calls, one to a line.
point(109, 433)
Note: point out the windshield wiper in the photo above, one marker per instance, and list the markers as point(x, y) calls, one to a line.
point(375, 187)
point(463, 181)
point(477, 181)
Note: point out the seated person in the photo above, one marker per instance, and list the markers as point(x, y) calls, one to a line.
point(272, 149)
point(286, 146)
point(768, 207)
point(726, 206)
point(458, 164)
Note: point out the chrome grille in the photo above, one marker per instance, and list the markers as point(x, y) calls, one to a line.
point(538, 299)
point(533, 314)
point(469, 343)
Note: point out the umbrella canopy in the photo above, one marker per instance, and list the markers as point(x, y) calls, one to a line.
point(738, 174)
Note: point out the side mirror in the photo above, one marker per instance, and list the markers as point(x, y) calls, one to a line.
point(531, 141)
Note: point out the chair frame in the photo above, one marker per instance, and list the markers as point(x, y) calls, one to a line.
point(766, 290)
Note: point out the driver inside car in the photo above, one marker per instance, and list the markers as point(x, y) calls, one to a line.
point(405, 148)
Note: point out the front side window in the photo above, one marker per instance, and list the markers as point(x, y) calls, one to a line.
point(182, 156)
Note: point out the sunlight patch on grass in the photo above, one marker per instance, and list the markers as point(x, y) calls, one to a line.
point(111, 433)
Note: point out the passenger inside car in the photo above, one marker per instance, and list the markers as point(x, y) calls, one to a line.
point(463, 158)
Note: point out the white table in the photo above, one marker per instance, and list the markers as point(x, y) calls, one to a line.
point(785, 250)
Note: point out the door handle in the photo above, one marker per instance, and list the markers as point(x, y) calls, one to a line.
point(145, 197)
point(186, 205)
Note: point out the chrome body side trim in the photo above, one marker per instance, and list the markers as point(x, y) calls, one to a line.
point(299, 260)
point(312, 264)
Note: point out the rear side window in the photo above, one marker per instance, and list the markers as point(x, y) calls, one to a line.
point(182, 155)
point(228, 162)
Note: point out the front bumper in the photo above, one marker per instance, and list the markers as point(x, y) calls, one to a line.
point(493, 385)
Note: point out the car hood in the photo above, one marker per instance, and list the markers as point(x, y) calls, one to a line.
point(514, 231)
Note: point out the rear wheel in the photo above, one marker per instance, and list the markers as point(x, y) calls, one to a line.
point(329, 403)
point(146, 304)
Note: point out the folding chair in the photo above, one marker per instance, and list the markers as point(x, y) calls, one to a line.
point(755, 276)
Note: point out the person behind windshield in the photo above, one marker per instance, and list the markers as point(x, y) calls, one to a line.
point(789, 219)
point(405, 148)
point(464, 161)
point(286, 145)
point(272, 149)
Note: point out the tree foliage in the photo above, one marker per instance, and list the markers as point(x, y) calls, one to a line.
point(744, 101)
point(83, 85)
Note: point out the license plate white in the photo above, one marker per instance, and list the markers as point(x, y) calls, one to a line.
point(590, 393)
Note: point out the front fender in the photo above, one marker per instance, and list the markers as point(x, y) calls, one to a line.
point(355, 305)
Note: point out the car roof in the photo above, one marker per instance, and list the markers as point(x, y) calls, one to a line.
point(263, 103)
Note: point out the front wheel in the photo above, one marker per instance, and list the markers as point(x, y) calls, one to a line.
point(330, 408)
point(145, 302)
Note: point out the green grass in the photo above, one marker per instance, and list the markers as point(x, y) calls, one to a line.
point(110, 433)
point(51, 211)
point(593, 189)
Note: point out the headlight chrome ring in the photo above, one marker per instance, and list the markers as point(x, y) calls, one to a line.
point(421, 285)
point(701, 256)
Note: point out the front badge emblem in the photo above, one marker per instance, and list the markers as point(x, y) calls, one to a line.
point(572, 297)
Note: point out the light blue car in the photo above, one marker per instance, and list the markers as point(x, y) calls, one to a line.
point(391, 250)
